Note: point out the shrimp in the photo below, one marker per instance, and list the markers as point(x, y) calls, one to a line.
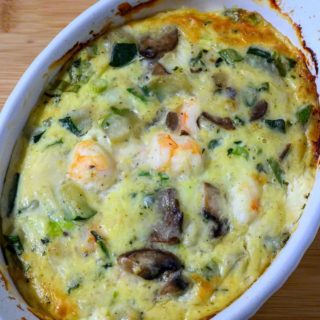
point(176, 154)
point(246, 198)
point(188, 116)
point(91, 166)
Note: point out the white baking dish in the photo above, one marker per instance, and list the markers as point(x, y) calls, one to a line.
point(28, 89)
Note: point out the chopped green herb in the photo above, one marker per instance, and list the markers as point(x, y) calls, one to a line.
point(45, 240)
point(14, 244)
point(276, 169)
point(230, 56)
point(122, 54)
point(238, 121)
point(60, 141)
point(13, 193)
point(260, 167)
point(36, 138)
point(163, 177)
point(74, 285)
point(239, 150)
point(218, 62)
point(68, 124)
point(146, 91)
point(197, 64)
point(100, 241)
point(210, 270)
point(213, 144)
point(278, 125)
point(56, 228)
point(303, 114)
point(265, 86)
point(144, 174)
point(137, 94)
point(120, 112)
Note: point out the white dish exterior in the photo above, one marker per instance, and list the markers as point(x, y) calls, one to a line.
point(27, 91)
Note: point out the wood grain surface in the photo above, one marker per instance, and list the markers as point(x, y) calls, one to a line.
point(26, 27)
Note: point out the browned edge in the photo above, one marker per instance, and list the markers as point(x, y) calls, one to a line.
point(297, 27)
point(125, 9)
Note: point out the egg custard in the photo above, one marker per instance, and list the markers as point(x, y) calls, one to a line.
point(163, 169)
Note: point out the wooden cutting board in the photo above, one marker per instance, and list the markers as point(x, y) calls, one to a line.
point(26, 27)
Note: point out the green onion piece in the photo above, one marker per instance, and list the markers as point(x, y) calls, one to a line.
point(303, 115)
point(230, 56)
point(100, 241)
point(260, 53)
point(122, 54)
point(276, 169)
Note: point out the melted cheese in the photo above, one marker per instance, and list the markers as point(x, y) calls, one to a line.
point(98, 148)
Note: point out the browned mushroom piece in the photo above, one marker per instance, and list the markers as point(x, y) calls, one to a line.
point(220, 80)
point(169, 229)
point(175, 283)
point(259, 110)
point(285, 152)
point(225, 123)
point(148, 263)
point(155, 48)
point(211, 210)
point(159, 70)
point(172, 121)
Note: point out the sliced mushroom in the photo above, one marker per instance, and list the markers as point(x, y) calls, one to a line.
point(159, 70)
point(285, 152)
point(225, 123)
point(211, 210)
point(175, 283)
point(172, 121)
point(149, 264)
point(211, 200)
point(259, 110)
point(151, 48)
point(170, 228)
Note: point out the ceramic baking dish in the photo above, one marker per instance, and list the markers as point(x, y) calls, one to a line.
point(23, 98)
